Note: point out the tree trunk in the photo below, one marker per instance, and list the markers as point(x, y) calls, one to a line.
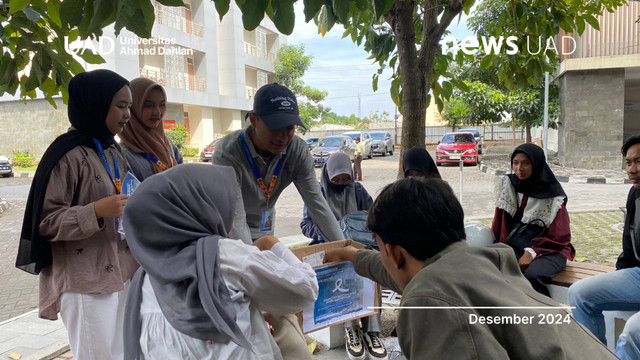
point(528, 129)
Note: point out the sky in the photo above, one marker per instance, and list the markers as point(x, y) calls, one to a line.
point(342, 69)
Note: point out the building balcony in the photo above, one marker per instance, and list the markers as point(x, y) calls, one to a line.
point(251, 92)
point(175, 80)
point(259, 53)
point(176, 21)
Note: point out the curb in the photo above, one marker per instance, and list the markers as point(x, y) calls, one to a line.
point(24, 174)
point(565, 179)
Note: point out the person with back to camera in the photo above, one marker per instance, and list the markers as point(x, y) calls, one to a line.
point(533, 195)
point(198, 294)
point(69, 234)
point(148, 149)
point(346, 197)
point(422, 256)
point(620, 289)
point(418, 162)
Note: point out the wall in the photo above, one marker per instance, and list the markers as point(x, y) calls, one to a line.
point(592, 119)
point(30, 127)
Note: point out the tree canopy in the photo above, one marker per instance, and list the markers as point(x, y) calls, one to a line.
point(290, 68)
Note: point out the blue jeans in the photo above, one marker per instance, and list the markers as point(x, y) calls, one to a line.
point(617, 290)
point(628, 347)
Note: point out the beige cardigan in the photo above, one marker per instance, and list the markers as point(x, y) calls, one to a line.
point(89, 255)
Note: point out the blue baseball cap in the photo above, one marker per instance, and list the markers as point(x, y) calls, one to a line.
point(277, 106)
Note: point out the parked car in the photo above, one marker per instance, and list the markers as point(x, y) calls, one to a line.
point(312, 142)
point(6, 167)
point(476, 135)
point(456, 147)
point(382, 143)
point(207, 153)
point(365, 138)
point(329, 145)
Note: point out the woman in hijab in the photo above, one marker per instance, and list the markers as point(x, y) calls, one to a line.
point(533, 195)
point(198, 294)
point(148, 150)
point(418, 162)
point(69, 234)
point(342, 193)
point(345, 196)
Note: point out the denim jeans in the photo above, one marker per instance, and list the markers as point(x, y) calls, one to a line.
point(617, 290)
point(628, 347)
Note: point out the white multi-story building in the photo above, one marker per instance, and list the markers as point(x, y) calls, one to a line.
point(209, 68)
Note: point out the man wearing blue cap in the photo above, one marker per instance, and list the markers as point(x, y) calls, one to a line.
point(267, 158)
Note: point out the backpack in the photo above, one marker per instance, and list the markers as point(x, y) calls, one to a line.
point(354, 226)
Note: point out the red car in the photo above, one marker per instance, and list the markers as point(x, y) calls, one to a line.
point(207, 153)
point(455, 147)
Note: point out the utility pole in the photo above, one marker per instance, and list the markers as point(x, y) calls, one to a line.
point(359, 115)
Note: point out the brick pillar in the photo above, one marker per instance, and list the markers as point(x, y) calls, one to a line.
point(592, 117)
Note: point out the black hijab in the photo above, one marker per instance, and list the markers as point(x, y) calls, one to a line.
point(542, 184)
point(90, 96)
point(418, 159)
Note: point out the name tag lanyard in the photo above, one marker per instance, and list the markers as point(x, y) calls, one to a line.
point(156, 161)
point(256, 172)
point(117, 181)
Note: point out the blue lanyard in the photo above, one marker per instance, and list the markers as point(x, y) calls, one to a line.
point(116, 180)
point(256, 172)
point(155, 160)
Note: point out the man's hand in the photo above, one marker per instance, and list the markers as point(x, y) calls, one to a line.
point(110, 206)
point(525, 260)
point(347, 253)
point(266, 242)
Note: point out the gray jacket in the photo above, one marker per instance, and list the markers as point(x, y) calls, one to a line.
point(297, 168)
point(140, 165)
point(479, 276)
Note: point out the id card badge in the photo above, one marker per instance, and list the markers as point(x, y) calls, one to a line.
point(268, 218)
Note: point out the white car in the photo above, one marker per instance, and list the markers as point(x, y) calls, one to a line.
point(6, 167)
point(364, 138)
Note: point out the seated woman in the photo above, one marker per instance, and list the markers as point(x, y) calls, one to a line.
point(345, 197)
point(531, 194)
point(418, 162)
point(198, 294)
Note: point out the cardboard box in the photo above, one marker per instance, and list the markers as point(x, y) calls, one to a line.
point(344, 295)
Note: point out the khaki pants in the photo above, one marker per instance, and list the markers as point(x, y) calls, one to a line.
point(288, 337)
point(357, 168)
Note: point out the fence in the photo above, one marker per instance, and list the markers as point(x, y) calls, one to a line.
point(433, 134)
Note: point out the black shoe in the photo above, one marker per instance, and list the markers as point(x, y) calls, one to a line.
point(353, 343)
point(375, 347)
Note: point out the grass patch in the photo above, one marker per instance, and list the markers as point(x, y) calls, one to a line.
point(30, 168)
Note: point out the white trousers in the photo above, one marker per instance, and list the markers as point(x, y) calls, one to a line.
point(94, 324)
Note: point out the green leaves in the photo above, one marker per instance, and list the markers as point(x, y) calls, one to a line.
point(381, 7)
point(17, 5)
point(283, 15)
point(222, 7)
point(311, 8)
point(71, 12)
point(252, 12)
point(341, 9)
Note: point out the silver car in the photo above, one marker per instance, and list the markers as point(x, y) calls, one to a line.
point(6, 167)
point(382, 143)
point(365, 138)
point(329, 145)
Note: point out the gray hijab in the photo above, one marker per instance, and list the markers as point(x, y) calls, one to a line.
point(341, 198)
point(173, 223)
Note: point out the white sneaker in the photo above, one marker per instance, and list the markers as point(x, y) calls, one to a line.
point(353, 343)
point(375, 347)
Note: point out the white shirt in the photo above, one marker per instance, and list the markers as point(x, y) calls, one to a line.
point(274, 281)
